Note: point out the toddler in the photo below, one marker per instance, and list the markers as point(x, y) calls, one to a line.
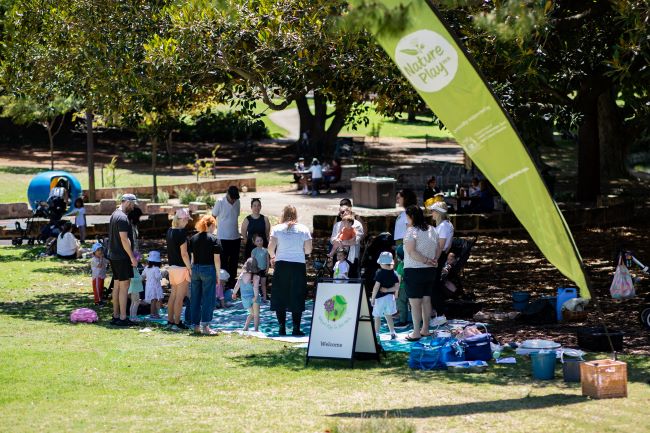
point(447, 284)
point(346, 233)
point(134, 290)
point(80, 218)
point(153, 293)
point(342, 265)
point(383, 293)
point(98, 265)
point(248, 282)
point(261, 256)
point(224, 276)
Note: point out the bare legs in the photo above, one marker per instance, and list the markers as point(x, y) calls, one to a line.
point(120, 296)
point(421, 312)
point(175, 303)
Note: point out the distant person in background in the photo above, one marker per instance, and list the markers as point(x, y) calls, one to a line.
point(80, 218)
point(226, 211)
point(474, 188)
point(431, 189)
point(67, 246)
point(333, 172)
point(486, 199)
point(298, 168)
point(316, 171)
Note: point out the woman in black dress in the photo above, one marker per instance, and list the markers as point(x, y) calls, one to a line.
point(253, 224)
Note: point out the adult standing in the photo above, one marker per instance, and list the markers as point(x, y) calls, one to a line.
point(354, 244)
point(179, 268)
point(316, 171)
point(288, 244)
point(206, 267)
point(405, 198)
point(255, 224)
point(445, 231)
point(120, 254)
point(226, 211)
point(420, 252)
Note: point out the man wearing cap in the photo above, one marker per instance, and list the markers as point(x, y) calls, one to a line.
point(226, 211)
point(120, 254)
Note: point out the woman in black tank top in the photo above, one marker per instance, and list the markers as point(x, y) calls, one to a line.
point(255, 223)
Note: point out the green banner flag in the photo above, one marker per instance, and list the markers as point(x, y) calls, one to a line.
point(440, 70)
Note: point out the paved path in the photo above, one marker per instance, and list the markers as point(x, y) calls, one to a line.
point(289, 120)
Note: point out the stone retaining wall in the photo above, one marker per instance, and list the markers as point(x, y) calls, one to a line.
point(496, 223)
point(211, 186)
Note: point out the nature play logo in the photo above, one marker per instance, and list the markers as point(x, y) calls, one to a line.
point(335, 308)
point(427, 60)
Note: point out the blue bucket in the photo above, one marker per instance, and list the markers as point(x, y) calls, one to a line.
point(520, 300)
point(543, 364)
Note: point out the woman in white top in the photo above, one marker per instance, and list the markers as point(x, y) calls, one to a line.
point(445, 231)
point(316, 171)
point(420, 254)
point(405, 198)
point(67, 246)
point(288, 244)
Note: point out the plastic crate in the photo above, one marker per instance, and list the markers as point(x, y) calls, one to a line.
point(604, 378)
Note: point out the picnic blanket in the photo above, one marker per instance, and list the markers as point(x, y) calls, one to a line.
point(232, 319)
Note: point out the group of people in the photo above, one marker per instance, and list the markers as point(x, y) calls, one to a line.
point(316, 175)
point(204, 268)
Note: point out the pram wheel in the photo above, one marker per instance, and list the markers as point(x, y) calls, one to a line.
point(645, 317)
point(17, 241)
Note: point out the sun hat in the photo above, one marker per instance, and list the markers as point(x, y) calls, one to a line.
point(385, 258)
point(223, 275)
point(183, 213)
point(399, 251)
point(154, 256)
point(439, 206)
point(130, 197)
point(97, 246)
point(233, 192)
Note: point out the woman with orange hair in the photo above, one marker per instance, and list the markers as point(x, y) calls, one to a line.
point(288, 244)
point(206, 264)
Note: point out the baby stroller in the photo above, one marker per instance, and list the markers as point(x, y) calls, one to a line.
point(41, 211)
point(461, 249)
point(374, 247)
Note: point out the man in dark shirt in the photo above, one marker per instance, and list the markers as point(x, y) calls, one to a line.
point(120, 254)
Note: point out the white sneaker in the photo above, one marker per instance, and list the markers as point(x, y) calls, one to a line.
point(438, 321)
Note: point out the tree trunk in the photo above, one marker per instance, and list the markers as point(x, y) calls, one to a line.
point(170, 142)
point(154, 158)
point(588, 157)
point(90, 155)
point(611, 136)
point(411, 116)
point(50, 125)
point(322, 139)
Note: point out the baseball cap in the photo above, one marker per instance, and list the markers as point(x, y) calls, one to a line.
point(130, 197)
point(439, 206)
point(385, 258)
point(233, 192)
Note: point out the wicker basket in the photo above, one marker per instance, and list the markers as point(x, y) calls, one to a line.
point(604, 378)
point(574, 316)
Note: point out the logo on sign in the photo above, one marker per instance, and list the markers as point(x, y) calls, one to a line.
point(427, 60)
point(335, 308)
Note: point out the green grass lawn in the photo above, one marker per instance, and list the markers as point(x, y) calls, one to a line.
point(19, 178)
point(56, 376)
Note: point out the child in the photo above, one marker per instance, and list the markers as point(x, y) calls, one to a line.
point(402, 299)
point(153, 293)
point(98, 265)
point(345, 234)
point(224, 276)
point(80, 218)
point(342, 266)
point(134, 290)
point(383, 293)
point(448, 285)
point(249, 282)
point(261, 256)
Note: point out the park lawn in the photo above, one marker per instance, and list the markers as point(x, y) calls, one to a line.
point(19, 177)
point(56, 376)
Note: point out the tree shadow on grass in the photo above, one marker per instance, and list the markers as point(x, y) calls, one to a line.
point(22, 170)
point(479, 407)
point(29, 252)
point(76, 269)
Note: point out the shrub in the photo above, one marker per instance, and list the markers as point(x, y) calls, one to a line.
point(186, 195)
point(221, 126)
point(163, 196)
